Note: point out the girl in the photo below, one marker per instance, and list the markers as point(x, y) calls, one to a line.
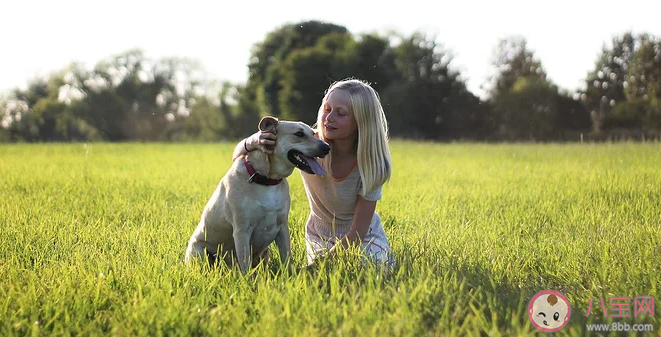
point(343, 202)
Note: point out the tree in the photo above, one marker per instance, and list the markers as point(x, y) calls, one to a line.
point(205, 122)
point(308, 72)
point(38, 114)
point(513, 60)
point(370, 57)
point(605, 84)
point(572, 114)
point(305, 59)
point(218, 118)
point(525, 103)
point(623, 89)
point(129, 96)
point(528, 110)
point(644, 80)
point(266, 78)
point(247, 112)
point(22, 124)
point(427, 98)
point(5, 121)
point(644, 85)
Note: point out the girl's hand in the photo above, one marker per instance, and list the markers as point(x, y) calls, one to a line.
point(263, 141)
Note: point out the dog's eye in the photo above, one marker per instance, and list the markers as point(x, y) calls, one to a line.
point(299, 134)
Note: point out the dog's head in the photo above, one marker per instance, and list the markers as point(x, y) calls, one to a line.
point(297, 142)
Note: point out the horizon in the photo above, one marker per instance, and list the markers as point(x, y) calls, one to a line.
point(561, 35)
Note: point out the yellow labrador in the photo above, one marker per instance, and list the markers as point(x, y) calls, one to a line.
point(250, 207)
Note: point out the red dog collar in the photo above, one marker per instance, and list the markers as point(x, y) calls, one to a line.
point(258, 178)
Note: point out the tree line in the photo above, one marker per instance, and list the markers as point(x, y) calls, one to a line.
point(129, 97)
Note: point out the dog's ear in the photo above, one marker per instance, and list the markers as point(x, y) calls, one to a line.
point(268, 123)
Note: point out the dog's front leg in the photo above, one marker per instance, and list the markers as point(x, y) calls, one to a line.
point(283, 242)
point(242, 245)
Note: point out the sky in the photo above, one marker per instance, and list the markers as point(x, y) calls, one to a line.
point(39, 37)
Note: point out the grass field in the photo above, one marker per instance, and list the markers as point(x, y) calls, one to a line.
point(92, 242)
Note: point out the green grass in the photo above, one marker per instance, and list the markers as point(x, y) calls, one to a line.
point(93, 236)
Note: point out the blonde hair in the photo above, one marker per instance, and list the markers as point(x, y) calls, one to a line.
point(372, 148)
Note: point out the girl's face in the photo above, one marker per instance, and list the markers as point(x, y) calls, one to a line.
point(337, 117)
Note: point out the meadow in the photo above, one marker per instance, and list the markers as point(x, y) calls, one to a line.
point(93, 236)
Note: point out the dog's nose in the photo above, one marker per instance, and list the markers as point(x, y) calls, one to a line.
point(324, 148)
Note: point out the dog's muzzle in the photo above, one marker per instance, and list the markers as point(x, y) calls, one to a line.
point(305, 163)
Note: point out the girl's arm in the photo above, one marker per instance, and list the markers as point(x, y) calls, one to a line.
point(362, 218)
point(240, 149)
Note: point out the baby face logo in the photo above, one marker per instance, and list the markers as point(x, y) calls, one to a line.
point(549, 311)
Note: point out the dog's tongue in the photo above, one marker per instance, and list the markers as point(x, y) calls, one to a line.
point(316, 168)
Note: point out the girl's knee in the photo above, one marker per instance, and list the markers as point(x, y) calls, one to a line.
point(379, 256)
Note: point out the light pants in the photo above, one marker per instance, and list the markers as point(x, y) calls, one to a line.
point(320, 237)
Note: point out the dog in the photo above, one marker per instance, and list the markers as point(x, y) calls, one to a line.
point(250, 207)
